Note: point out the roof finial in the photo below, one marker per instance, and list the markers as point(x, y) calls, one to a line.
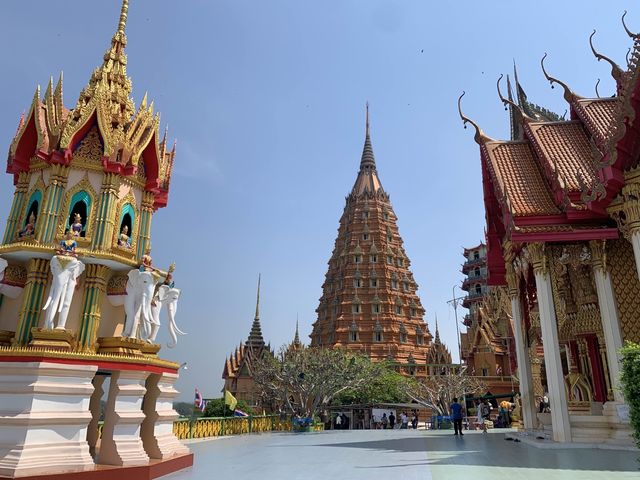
point(597, 92)
point(480, 135)
point(368, 160)
point(296, 338)
point(569, 96)
point(258, 299)
point(629, 32)
point(508, 101)
point(123, 17)
point(437, 339)
point(616, 71)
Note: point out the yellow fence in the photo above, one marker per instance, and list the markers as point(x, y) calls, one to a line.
point(218, 426)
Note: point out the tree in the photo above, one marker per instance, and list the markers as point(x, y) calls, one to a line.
point(437, 391)
point(217, 408)
point(304, 381)
point(387, 387)
point(630, 380)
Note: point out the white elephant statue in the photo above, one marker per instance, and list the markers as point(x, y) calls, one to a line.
point(65, 271)
point(140, 289)
point(167, 296)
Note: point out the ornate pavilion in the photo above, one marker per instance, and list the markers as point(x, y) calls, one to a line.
point(563, 235)
point(80, 299)
point(369, 299)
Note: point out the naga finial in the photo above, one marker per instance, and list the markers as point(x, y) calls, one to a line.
point(626, 29)
point(616, 71)
point(508, 101)
point(569, 96)
point(597, 92)
point(480, 136)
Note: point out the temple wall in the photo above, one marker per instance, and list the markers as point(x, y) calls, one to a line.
point(626, 287)
point(111, 320)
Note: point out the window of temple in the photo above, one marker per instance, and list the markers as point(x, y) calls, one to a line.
point(420, 339)
point(394, 284)
point(365, 236)
point(385, 216)
point(403, 337)
point(357, 282)
point(373, 258)
point(389, 238)
point(478, 289)
point(353, 336)
point(375, 308)
point(357, 258)
point(405, 286)
point(365, 215)
point(400, 262)
point(377, 336)
point(29, 223)
point(355, 308)
point(398, 310)
point(126, 226)
point(389, 259)
point(80, 207)
point(373, 282)
point(476, 255)
point(485, 372)
point(413, 312)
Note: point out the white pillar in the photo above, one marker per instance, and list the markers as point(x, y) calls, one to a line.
point(608, 313)
point(552, 363)
point(635, 241)
point(157, 428)
point(94, 408)
point(121, 444)
point(527, 396)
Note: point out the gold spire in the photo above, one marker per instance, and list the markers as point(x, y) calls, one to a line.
point(123, 17)
point(258, 300)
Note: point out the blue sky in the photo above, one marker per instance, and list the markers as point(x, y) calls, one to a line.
point(266, 101)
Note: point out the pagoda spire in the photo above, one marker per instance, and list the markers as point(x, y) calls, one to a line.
point(296, 338)
point(437, 339)
point(255, 336)
point(368, 160)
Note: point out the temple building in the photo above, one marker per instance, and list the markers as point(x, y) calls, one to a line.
point(238, 369)
point(80, 299)
point(369, 299)
point(439, 357)
point(562, 205)
point(488, 348)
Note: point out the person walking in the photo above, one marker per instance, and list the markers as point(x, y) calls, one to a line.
point(456, 415)
point(384, 421)
point(414, 420)
point(392, 420)
point(404, 421)
point(480, 417)
point(485, 409)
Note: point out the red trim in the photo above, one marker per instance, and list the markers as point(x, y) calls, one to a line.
point(155, 469)
point(573, 236)
point(102, 365)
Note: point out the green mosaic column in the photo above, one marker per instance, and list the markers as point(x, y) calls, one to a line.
point(37, 276)
point(48, 218)
point(16, 207)
point(144, 232)
point(95, 286)
point(105, 222)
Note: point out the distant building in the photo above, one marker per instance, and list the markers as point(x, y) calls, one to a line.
point(487, 346)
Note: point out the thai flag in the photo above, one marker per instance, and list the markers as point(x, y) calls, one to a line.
point(199, 402)
point(239, 413)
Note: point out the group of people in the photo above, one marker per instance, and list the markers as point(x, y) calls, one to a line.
point(391, 421)
point(483, 414)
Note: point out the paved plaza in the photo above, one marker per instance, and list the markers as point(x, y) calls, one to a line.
point(406, 454)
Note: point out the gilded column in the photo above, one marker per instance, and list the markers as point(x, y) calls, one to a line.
point(144, 232)
point(631, 208)
point(37, 275)
point(608, 312)
point(550, 344)
point(16, 207)
point(50, 212)
point(105, 222)
point(524, 367)
point(95, 286)
point(605, 365)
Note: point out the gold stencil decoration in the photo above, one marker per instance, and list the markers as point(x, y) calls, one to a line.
point(88, 155)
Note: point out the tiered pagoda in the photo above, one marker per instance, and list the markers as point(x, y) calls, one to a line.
point(439, 356)
point(563, 236)
point(238, 369)
point(487, 346)
point(80, 298)
point(369, 299)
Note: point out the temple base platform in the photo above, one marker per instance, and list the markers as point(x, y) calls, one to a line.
point(56, 339)
point(50, 410)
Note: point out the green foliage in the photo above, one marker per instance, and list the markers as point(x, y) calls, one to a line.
point(630, 380)
point(386, 387)
point(184, 409)
point(217, 408)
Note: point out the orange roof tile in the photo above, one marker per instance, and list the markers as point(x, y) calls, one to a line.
point(513, 166)
point(566, 146)
point(597, 115)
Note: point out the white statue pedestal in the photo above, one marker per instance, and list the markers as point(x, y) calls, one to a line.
point(44, 413)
